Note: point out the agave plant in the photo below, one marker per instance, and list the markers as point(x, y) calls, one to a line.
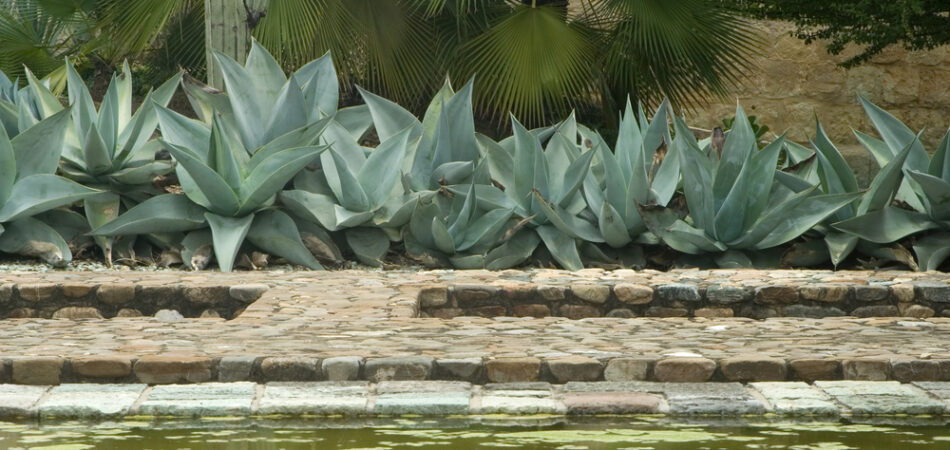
point(227, 191)
point(459, 228)
point(925, 189)
point(542, 186)
point(262, 103)
point(110, 149)
point(835, 176)
point(641, 170)
point(354, 192)
point(732, 202)
point(448, 148)
point(29, 187)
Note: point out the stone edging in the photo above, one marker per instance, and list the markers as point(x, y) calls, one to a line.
point(434, 398)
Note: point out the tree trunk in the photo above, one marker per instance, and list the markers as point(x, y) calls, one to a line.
point(228, 26)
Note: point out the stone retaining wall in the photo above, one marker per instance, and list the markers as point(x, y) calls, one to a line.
point(625, 300)
point(97, 301)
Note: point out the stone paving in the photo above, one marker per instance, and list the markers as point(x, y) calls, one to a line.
point(364, 325)
point(829, 399)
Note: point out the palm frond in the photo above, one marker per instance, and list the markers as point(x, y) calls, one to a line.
point(531, 64)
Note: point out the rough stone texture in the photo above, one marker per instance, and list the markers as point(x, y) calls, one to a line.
point(128, 312)
point(589, 403)
point(102, 366)
point(423, 398)
point(578, 311)
point(776, 295)
point(37, 370)
point(463, 369)
point(206, 295)
point(37, 292)
point(876, 311)
point(621, 313)
point(814, 312)
point(575, 368)
point(518, 402)
point(531, 310)
point(247, 293)
point(552, 293)
point(79, 401)
point(713, 312)
point(236, 368)
point(730, 399)
point(795, 80)
point(508, 370)
point(77, 312)
point(468, 296)
point(939, 389)
point(17, 400)
point(627, 369)
point(342, 368)
point(398, 368)
point(753, 368)
point(812, 369)
point(918, 312)
point(684, 369)
point(871, 293)
point(866, 369)
point(827, 293)
point(797, 399)
point(726, 294)
point(633, 294)
point(908, 370)
point(199, 400)
point(71, 290)
point(168, 316)
point(591, 293)
point(933, 292)
point(116, 293)
point(677, 292)
point(319, 398)
point(663, 311)
point(433, 296)
point(290, 368)
point(172, 369)
point(882, 397)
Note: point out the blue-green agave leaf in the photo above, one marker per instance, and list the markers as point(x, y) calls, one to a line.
point(275, 232)
point(37, 193)
point(167, 213)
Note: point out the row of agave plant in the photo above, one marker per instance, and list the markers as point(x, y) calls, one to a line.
point(271, 166)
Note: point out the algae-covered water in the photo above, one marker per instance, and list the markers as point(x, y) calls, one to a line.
point(539, 433)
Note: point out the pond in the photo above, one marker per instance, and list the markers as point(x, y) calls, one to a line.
point(484, 433)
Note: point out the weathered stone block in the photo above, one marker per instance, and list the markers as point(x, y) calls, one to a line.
point(713, 312)
point(727, 294)
point(812, 369)
point(464, 369)
point(206, 295)
point(814, 312)
point(290, 368)
point(38, 292)
point(575, 368)
point(827, 293)
point(37, 370)
point(908, 370)
point(160, 369)
point(876, 311)
point(247, 293)
point(342, 368)
point(508, 370)
point(871, 293)
point(866, 369)
point(678, 292)
point(398, 368)
point(116, 293)
point(236, 368)
point(591, 403)
point(552, 293)
point(467, 296)
point(578, 311)
point(933, 292)
point(433, 296)
point(627, 369)
point(591, 293)
point(684, 369)
point(776, 295)
point(102, 366)
point(664, 311)
point(633, 294)
point(531, 310)
point(753, 368)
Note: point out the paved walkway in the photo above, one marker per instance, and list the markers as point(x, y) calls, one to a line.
point(345, 325)
point(445, 398)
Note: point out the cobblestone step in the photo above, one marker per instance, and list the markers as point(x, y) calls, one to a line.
point(441, 398)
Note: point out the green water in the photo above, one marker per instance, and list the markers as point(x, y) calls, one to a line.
point(540, 433)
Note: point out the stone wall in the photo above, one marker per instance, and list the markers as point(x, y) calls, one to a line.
point(793, 82)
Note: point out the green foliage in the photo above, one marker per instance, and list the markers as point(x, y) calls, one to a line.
point(733, 203)
point(873, 24)
point(272, 166)
point(28, 187)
